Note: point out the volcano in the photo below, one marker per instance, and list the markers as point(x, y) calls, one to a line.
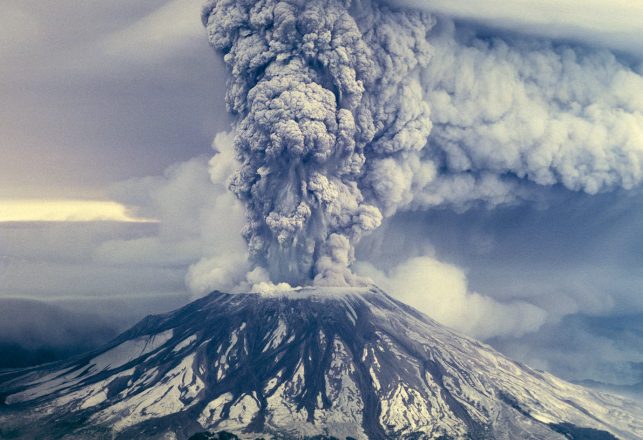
point(330, 362)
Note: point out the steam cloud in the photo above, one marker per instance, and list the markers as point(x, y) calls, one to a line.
point(348, 112)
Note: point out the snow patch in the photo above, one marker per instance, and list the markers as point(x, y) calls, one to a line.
point(129, 351)
point(211, 414)
point(184, 343)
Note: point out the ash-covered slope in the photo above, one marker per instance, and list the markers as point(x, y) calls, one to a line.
point(330, 361)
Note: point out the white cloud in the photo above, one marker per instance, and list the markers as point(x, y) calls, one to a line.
point(528, 109)
point(224, 256)
point(199, 224)
point(440, 290)
point(614, 24)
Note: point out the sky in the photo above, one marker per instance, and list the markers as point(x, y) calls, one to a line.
point(112, 111)
point(102, 91)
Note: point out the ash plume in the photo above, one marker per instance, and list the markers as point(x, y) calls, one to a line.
point(350, 111)
point(314, 92)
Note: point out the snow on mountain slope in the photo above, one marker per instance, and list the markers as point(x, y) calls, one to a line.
point(324, 361)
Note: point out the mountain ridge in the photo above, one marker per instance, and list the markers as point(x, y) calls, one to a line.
point(317, 361)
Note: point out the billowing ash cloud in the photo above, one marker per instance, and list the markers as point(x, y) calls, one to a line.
point(540, 112)
point(348, 112)
point(317, 90)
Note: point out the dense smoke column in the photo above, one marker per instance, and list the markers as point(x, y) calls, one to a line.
point(318, 87)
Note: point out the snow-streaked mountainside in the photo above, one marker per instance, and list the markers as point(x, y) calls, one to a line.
point(342, 362)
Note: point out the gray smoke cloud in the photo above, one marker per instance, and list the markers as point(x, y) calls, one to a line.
point(350, 111)
point(316, 94)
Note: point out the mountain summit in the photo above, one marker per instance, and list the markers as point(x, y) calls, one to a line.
point(341, 362)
